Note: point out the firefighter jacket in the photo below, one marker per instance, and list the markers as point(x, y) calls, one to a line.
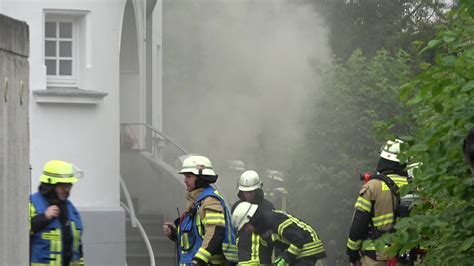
point(374, 216)
point(297, 238)
point(48, 243)
point(205, 231)
point(253, 250)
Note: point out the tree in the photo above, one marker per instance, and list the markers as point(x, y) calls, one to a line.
point(340, 142)
point(441, 101)
point(371, 25)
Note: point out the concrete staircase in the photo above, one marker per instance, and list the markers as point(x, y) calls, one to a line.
point(157, 191)
point(164, 249)
point(155, 196)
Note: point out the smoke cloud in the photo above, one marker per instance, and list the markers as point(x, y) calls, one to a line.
point(239, 78)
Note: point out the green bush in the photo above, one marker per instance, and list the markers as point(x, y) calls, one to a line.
point(441, 102)
point(340, 141)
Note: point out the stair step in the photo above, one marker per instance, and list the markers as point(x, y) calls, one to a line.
point(147, 218)
point(160, 245)
point(142, 259)
point(153, 226)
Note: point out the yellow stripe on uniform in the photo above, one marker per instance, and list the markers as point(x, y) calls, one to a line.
point(275, 237)
point(310, 252)
point(283, 225)
point(249, 263)
point(203, 255)
point(383, 219)
point(215, 218)
point(363, 204)
point(294, 249)
point(254, 256)
point(32, 213)
point(354, 245)
point(185, 241)
point(76, 234)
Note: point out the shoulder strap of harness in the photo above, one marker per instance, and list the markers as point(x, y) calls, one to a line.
point(395, 192)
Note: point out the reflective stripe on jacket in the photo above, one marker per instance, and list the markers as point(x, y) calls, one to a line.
point(253, 250)
point(374, 207)
point(190, 233)
point(299, 238)
point(46, 246)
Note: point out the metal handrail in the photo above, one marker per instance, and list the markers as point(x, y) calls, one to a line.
point(124, 188)
point(156, 131)
point(135, 222)
point(143, 137)
point(171, 169)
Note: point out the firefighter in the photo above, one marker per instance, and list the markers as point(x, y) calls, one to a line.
point(204, 232)
point(376, 208)
point(468, 150)
point(298, 239)
point(55, 224)
point(253, 250)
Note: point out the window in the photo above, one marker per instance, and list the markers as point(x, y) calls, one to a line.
point(67, 56)
point(59, 49)
point(66, 39)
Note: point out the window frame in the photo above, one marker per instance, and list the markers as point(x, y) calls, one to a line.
point(66, 80)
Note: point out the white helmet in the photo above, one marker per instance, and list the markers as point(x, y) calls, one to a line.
point(242, 214)
point(249, 181)
point(390, 150)
point(411, 169)
point(198, 165)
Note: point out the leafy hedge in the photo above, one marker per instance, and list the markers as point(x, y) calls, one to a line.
point(340, 142)
point(441, 102)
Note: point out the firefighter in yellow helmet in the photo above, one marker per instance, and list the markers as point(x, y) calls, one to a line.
point(377, 209)
point(55, 224)
point(204, 233)
point(299, 240)
point(253, 250)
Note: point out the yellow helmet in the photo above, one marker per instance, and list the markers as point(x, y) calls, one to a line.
point(56, 171)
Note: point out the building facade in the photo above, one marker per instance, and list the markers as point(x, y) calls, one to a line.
point(93, 65)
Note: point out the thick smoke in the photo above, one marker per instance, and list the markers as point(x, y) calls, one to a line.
point(240, 78)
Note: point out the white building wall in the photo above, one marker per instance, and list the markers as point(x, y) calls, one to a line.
point(157, 55)
point(85, 134)
point(131, 89)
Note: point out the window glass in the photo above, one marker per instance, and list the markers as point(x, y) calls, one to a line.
point(65, 30)
point(50, 48)
point(65, 49)
point(50, 67)
point(65, 67)
point(50, 30)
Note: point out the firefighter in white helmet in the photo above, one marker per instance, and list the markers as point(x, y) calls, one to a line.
point(377, 208)
point(253, 250)
point(55, 224)
point(298, 240)
point(204, 232)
